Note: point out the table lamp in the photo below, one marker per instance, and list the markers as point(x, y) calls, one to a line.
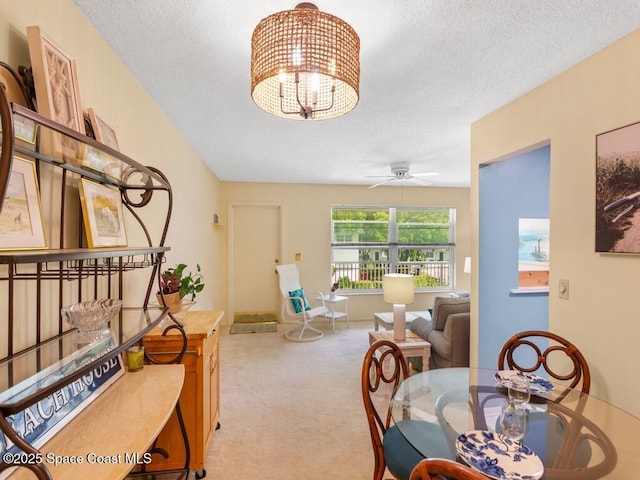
point(398, 289)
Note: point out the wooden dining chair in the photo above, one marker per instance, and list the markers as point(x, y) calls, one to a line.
point(437, 468)
point(383, 369)
point(526, 340)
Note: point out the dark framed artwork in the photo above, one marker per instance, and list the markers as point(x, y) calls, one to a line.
point(618, 190)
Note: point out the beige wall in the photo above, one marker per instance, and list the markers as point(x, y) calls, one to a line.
point(144, 134)
point(307, 230)
point(601, 317)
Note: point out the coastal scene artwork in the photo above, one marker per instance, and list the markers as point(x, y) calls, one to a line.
point(618, 190)
point(103, 214)
point(21, 224)
point(533, 252)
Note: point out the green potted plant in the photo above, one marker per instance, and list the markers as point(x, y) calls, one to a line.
point(176, 283)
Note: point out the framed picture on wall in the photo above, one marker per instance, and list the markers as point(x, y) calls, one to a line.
point(618, 190)
point(533, 252)
point(21, 225)
point(103, 215)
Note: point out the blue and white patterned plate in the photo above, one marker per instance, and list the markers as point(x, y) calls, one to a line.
point(537, 385)
point(497, 456)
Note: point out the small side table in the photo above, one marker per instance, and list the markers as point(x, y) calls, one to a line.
point(332, 313)
point(413, 346)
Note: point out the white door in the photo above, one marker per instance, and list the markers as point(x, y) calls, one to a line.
point(255, 245)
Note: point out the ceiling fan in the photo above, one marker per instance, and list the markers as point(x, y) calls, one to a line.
point(400, 173)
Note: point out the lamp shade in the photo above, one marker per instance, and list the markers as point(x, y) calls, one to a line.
point(398, 288)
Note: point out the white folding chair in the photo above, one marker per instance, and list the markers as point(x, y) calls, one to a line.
point(296, 308)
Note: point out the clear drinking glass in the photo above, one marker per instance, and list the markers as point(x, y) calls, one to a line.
point(519, 389)
point(514, 420)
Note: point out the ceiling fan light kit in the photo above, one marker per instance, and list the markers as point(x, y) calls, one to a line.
point(305, 64)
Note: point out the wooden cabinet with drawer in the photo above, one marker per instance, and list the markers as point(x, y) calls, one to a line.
point(200, 397)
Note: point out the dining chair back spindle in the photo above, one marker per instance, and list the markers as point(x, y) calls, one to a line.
point(578, 373)
point(439, 468)
point(383, 369)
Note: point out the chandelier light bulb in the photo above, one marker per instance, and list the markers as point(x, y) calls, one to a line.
point(297, 57)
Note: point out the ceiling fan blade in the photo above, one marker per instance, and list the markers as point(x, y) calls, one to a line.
point(400, 171)
point(382, 183)
point(418, 181)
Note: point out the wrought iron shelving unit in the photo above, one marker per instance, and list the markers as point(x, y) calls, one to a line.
point(38, 283)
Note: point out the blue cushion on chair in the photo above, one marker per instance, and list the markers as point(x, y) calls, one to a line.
point(297, 305)
point(401, 457)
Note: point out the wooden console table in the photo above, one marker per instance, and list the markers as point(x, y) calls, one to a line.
point(200, 398)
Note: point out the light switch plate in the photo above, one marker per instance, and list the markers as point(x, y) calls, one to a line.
point(563, 289)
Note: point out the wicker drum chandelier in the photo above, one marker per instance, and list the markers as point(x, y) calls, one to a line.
point(305, 64)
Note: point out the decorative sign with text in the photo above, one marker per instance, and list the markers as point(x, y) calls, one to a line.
point(39, 422)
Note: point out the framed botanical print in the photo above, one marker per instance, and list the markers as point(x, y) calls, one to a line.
point(103, 215)
point(21, 225)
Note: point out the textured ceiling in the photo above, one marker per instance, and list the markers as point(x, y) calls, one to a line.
point(429, 68)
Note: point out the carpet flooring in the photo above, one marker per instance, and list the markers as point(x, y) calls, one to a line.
point(292, 410)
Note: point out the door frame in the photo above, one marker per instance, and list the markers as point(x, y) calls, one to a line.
point(231, 246)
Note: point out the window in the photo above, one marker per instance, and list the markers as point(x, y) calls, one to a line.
point(368, 242)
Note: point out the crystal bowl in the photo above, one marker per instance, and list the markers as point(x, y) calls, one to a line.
point(91, 317)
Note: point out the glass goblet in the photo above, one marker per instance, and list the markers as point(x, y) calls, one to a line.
point(514, 420)
point(519, 388)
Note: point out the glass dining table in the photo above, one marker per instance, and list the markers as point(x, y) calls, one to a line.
point(574, 435)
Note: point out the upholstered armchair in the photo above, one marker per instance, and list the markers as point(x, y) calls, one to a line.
point(447, 331)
